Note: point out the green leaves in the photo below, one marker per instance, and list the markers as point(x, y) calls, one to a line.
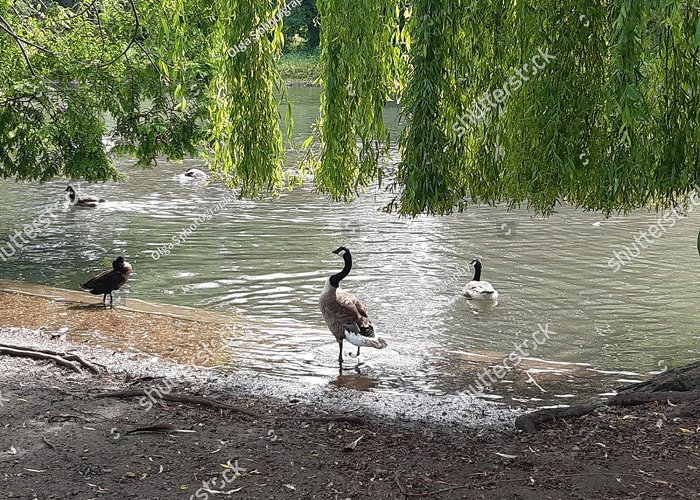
point(610, 124)
point(245, 138)
point(360, 68)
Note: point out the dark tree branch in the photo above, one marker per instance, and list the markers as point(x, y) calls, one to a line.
point(5, 26)
point(137, 26)
point(213, 403)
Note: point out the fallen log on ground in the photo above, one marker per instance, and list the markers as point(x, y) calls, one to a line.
point(72, 361)
point(676, 386)
point(214, 403)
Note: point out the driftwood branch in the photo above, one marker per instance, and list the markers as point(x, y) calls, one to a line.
point(214, 403)
point(676, 386)
point(72, 361)
point(40, 355)
point(530, 421)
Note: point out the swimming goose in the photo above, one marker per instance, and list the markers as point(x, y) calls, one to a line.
point(109, 281)
point(196, 174)
point(345, 314)
point(477, 289)
point(83, 201)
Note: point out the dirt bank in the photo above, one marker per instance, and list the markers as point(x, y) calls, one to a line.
point(59, 441)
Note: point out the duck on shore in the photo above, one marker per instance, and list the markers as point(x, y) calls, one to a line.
point(109, 281)
point(82, 200)
point(345, 315)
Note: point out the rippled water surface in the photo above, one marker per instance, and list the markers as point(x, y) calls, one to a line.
point(268, 261)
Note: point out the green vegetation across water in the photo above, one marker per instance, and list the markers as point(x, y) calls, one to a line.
point(300, 68)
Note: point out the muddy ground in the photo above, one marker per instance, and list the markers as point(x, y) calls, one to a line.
point(58, 441)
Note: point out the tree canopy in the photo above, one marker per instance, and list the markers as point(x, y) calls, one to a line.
point(595, 103)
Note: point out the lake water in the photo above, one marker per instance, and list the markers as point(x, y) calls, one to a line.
point(268, 260)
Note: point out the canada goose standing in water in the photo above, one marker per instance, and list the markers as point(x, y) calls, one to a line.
point(345, 314)
point(109, 281)
point(477, 289)
point(82, 201)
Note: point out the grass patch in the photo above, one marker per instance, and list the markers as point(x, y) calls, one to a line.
point(300, 67)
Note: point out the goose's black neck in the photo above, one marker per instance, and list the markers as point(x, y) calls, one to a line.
point(477, 271)
point(336, 278)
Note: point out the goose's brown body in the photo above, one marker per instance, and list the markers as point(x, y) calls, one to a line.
point(345, 315)
point(109, 281)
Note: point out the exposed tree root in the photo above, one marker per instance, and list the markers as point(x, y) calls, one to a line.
point(530, 421)
point(72, 361)
point(214, 403)
point(679, 385)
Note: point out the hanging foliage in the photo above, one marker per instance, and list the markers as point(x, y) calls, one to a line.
point(94, 62)
point(592, 103)
point(607, 118)
point(358, 79)
point(245, 135)
point(429, 176)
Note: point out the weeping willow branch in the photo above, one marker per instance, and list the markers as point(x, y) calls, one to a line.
point(361, 64)
point(137, 26)
point(610, 125)
point(245, 137)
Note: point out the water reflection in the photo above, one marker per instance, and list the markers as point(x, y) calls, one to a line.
point(356, 382)
point(268, 260)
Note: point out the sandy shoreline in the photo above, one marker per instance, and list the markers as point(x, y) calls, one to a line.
point(195, 346)
point(56, 432)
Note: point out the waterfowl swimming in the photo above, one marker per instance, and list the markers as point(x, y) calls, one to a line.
point(109, 281)
point(196, 174)
point(345, 314)
point(80, 200)
point(477, 289)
